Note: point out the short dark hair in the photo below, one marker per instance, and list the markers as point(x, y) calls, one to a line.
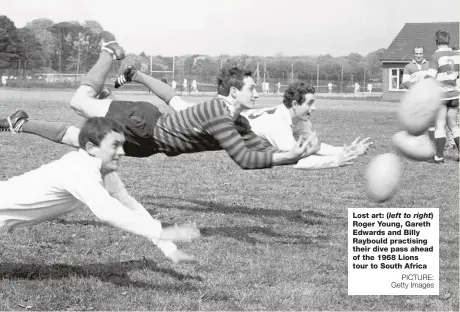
point(95, 129)
point(164, 80)
point(233, 77)
point(442, 37)
point(296, 91)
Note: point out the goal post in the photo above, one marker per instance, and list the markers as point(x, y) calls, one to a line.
point(168, 74)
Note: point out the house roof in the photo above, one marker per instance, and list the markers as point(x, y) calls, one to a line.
point(418, 34)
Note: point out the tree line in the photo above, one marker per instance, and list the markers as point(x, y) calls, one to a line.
point(73, 47)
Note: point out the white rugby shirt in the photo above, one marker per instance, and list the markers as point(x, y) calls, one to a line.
point(66, 184)
point(274, 125)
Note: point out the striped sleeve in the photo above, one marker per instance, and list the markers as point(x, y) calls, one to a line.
point(252, 141)
point(224, 131)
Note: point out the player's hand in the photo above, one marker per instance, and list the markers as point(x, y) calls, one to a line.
point(346, 157)
point(310, 146)
point(362, 146)
point(180, 256)
point(181, 233)
point(306, 147)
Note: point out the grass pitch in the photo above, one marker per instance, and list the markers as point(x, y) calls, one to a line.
point(272, 239)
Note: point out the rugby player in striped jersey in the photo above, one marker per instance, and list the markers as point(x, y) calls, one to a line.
point(213, 125)
point(278, 126)
point(444, 67)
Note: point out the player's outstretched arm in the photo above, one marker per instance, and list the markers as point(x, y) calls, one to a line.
point(359, 146)
point(186, 232)
point(326, 162)
point(111, 211)
point(301, 150)
point(224, 131)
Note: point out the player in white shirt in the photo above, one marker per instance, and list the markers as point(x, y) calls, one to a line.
point(356, 87)
point(185, 85)
point(281, 125)
point(194, 86)
point(88, 177)
point(278, 88)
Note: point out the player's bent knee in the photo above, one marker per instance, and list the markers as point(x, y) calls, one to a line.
point(81, 98)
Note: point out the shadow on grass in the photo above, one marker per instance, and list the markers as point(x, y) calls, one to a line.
point(309, 217)
point(114, 272)
point(242, 233)
point(99, 223)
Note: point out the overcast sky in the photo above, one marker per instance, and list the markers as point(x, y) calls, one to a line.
point(254, 27)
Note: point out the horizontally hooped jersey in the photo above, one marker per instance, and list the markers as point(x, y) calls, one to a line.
point(444, 65)
point(209, 127)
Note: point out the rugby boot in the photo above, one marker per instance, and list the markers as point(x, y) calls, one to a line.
point(14, 122)
point(126, 76)
point(110, 45)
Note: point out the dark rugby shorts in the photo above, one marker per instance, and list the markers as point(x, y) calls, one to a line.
point(139, 119)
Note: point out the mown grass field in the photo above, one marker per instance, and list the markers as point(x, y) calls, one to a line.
point(272, 239)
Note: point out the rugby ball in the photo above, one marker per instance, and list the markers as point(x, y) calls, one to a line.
point(414, 147)
point(419, 106)
point(383, 175)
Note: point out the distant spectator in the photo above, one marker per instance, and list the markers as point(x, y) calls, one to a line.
point(194, 86)
point(173, 85)
point(266, 87)
point(4, 79)
point(278, 87)
point(184, 85)
point(329, 86)
point(356, 87)
point(369, 88)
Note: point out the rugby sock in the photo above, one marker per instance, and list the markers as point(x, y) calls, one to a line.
point(158, 87)
point(95, 78)
point(440, 142)
point(431, 133)
point(53, 131)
